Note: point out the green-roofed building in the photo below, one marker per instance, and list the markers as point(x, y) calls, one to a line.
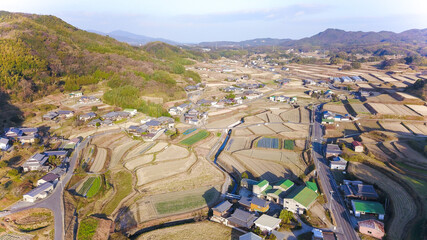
point(284, 185)
point(368, 207)
point(299, 199)
point(260, 187)
point(312, 186)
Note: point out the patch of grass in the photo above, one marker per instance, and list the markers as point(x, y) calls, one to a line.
point(86, 186)
point(185, 203)
point(87, 228)
point(289, 144)
point(123, 187)
point(195, 138)
point(96, 185)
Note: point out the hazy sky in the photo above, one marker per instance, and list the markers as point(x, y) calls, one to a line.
point(202, 20)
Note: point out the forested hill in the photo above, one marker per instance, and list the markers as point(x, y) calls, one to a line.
point(42, 54)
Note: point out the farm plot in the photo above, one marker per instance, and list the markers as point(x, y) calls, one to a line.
point(419, 129)
point(158, 147)
point(360, 109)
point(172, 152)
point(347, 128)
point(337, 108)
point(410, 153)
point(367, 126)
point(268, 143)
point(107, 140)
point(305, 115)
point(278, 128)
point(162, 170)
point(120, 151)
point(98, 163)
point(402, 110)
point(89, 187)
point(237, 143)
point(364, 86)
point(391, 150)
point(289, 159)
point(188, 131)
point(230, 163)
point(195, 138)
point(378, 153)
point(278, 111)
point(253, 119)
point(403, 206)
point(242, 132)
point(380, 108)
point(395, 127)
point(274, 118)
point(139, 150)
point(288, 144)
point(291, 116)
point(261, 130)
point(263, 117)
point(139, 161)
point(420, 109)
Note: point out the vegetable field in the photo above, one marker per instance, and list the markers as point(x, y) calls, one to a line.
point(195, 138)
point(289, 144)
point(268, 143)
point(188, 131)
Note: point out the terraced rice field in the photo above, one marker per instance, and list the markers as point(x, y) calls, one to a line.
point(237, 143)
point(120, 151)
point(261, 130)
point(195, 138)
point(382, 98)
point(157, 148)
point(411, 154)
point(336, 108)
point(263, 117)
point(305, 115)
point(268, 143)
point(391, 149)
point(360, 109)
point(271, 171)
point(364, 86)
point(135, 162)
point(417, 128)
point(380, 108)
point(139, 150)
point(420, 109)
point(242, 132)
point(278, 127)
point(98, 163)
point(253, 119)
point(367, 126)
point(292, 115)
point(402, 110)
point(274, 118)
point(403, 206)
point(162, 170)
point(395, 127)
point(171, 153)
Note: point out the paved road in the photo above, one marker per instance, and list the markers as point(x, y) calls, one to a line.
point(344, 230)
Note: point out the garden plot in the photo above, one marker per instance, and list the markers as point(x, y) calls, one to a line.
point(139, 161)
point(237, 143)
point(337, 108)
point(291, 116)
point(420, 109)
point(402, 110)
point(367, 126)
point(395, 127)
point(380, 108)
point(382, 98)
point(278, 128)
point(253, 119)
point(265, 142)
point(273, 118)
point(403, 206)
point(419, 129)
point(171, 153)
point(242, 132)
point(98, 163)
point(162, 170)
point(158, 147)
point(139, 150)
point(263, 117)
point(120, 151)
point(305, 115)
point(261, 130)
point(411, 154)
point(360, 109)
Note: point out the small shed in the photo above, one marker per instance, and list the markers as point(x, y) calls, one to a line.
point(357, 146)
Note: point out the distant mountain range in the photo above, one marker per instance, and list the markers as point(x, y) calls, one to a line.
point(133, 39)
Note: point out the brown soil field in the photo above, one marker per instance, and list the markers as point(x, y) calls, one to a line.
point(274, 118)
point(278, 128)
point(98, 163)
point(237, 143)
point(419, 129)
point(261, 130)
point(201, 230)
point(420, 109)
point(106, 140)
point(305, 115)
point(138, 150)
point(158, 147)
point(338, 108)
point(360, 109)
point(392, 149)
point(378, 153)
point(135, 162)
point(120, 151)
point(223, 121)
point(242, 132)
point(253, 119)
point(263, 117)
point(162, 170)
point(291, 116)
point(39, 219)
point(230, 163)
point(402, 110)
point(380, 108)
point(364, 85)
point(367, 126)
point(403, 206)
point(172, 152)
point(410, 154)
point(382, 98)
point(280, 110)
point(395, 127)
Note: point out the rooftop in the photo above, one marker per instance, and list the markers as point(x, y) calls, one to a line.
point(250, 236)
point(285, 184)
point(262, 183)
point(50, 177)
point(268, 221)
point(373, 224)
point(368, 207)
point(222, 207)
point(311, 185)
point(40, 189)
point(242, 218)
point(304, 196)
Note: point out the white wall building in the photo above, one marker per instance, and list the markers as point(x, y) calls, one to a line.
point(39, 192)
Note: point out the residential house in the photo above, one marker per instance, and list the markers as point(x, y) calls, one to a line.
point(368, 207)
point(75, 94)
point(167, 122)
point(89, 99)
point(279, 190)
point(357, 146)
point(29, 131)
point(204, 102)
point(35, 163)
point(308, 82)
point(4, 144)
point(138, 130)
point(183, 107)
point(251, 94)
point(332, 150)
point(13, 133)
point(359, 191)
point(259, 205)
point(250, 236)
point(267, 223)
point(312, 186)
point(27, 139)
point(71, 144)
point(372, 227)
point(60, 170)
point(241, 219)
point(260, 187)
point(299, 199)
point(39, 192)
point(57, 153)
point(132, 112)
point(338, 163)
point(87, 116)
point(65, 114)
point(50, 177)
point(50, 116)
point(116, 116)
point(222, 210)
point(174, 111)
point(153, 126)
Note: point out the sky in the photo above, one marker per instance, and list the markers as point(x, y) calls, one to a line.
point(192, 21)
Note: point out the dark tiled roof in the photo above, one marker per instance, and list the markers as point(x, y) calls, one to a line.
point(242, 218)
point(222, 207)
